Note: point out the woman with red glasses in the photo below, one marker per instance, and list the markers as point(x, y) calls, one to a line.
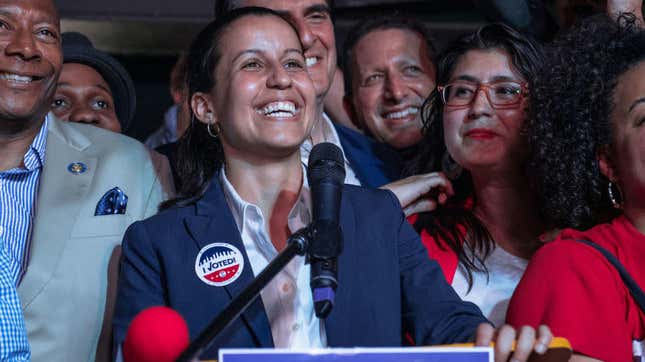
point(486, 227)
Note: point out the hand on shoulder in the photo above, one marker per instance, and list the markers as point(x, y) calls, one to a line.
point(420, 193)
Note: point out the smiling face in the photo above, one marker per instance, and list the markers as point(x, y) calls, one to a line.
point(478, 136)
point(30, 58)
point(83, 96)
point(627, 157)
point(312, 18)
point(392, 76)
point(263, 97)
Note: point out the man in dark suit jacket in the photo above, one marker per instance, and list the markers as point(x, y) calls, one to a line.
point(374, 163)
point(387, 283)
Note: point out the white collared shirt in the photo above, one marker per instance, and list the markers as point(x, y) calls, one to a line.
point(287, 299)
point(330, 135)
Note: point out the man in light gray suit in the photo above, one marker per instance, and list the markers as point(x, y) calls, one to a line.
point(67, 193)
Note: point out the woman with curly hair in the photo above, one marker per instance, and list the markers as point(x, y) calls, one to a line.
point(588, 138)
point(485, 234)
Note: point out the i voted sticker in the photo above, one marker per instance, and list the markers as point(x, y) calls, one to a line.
point(219, 264)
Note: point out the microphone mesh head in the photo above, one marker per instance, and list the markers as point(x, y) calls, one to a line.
point(326, 160)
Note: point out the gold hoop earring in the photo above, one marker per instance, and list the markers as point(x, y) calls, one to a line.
point(617, 204)
point(217, 129)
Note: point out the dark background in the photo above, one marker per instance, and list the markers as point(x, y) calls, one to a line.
point(147, 35)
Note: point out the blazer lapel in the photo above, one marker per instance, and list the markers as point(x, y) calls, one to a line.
point(337, 325)
point(60, 196)
point(214, 223)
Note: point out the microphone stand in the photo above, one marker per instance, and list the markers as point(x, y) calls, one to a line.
point(297, 244)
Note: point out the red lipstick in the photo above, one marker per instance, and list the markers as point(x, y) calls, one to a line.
point(481, 134)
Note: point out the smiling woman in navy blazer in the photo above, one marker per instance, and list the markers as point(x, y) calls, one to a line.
point(244, 192)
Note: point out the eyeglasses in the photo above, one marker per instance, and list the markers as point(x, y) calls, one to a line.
point(499, 94)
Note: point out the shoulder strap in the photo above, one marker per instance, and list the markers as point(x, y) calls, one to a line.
point(634, 289)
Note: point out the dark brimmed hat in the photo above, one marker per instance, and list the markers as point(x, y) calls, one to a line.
point(77, 48)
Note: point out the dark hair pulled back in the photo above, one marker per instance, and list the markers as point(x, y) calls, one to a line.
point(199, 155)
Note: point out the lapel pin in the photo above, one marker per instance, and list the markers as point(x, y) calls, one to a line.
point(76, 168)
point(219, 264)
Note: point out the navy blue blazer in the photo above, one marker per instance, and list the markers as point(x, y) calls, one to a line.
point(374, 163)
point(387, 283)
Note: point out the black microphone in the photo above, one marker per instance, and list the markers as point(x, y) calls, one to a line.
point(326, 175)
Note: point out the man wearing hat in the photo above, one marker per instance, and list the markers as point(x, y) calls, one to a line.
point(67, 193)
point(93, 87)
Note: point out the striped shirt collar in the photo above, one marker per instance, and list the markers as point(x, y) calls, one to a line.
point(35, 156)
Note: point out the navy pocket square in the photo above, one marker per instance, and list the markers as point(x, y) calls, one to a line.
point(112, 203)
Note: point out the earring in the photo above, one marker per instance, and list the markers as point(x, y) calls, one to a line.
point(217, 129)
point(610, 190)
point(449, 167)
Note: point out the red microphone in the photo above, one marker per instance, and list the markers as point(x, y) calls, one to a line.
point(157, 334)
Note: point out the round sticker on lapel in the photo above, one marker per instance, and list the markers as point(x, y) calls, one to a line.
point(219, 264)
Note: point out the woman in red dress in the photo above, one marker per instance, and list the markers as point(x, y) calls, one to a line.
point(588, 137)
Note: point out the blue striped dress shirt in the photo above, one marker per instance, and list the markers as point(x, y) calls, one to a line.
point(13, 337)
point(18, 189)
